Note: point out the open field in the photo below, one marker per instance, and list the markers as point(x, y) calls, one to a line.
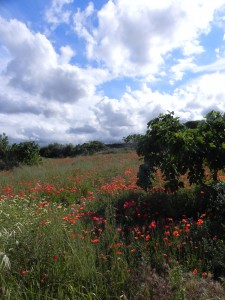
point(80, 228)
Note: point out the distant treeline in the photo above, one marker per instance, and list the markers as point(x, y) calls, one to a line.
point(30, 153)
point(57, 150)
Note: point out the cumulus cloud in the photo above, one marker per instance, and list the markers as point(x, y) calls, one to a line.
point(39, 87)
point(36, 68)
point(134, 37)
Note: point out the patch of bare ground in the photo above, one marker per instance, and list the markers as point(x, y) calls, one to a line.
point(154, 286)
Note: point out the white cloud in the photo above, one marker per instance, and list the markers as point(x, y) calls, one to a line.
point(57, 14)
point(37, 69)
point(41, 92)
point(131, 113)
point(133, 37)
point(178, 70)
point(66, 54)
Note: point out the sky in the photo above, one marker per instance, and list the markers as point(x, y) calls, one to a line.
point(73, 71)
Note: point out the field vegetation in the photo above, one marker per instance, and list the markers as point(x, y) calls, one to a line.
point(81, 228)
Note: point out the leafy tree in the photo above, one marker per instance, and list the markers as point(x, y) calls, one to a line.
point(212, 132)
point(177, 149)
point(4, 146)
point(16, 154)
point(92, 147)
point(53, 150)
point(6, 162)
point(26, 153)
point(132, 138)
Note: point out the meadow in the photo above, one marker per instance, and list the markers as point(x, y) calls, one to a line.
point(80, 228)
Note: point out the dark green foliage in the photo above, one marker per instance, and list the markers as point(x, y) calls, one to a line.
point(215, 198)
point(177, 149)
point(5, 161)
point(16, 154)
point(132, 140)
point(53, 150)
point(212, 132)
point(57, 150)
point(4, 145)
point(92, 147)
point(26, 153)
point(192, 124)
point(161, 147)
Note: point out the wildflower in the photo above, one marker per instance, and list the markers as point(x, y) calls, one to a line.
point(23, 272)
point(73, 234)
point(95, 240)
point(184, 220)
point(118, 252)
point(54, 257)
point(117, 245)
point(204, 275)
point(147, 238)
point(199, 222)
point(128, 171)
point(176, 233)
point(195, 271)
point(132, 250)
point(152, 225)
point(169, 219)
point(43, 222)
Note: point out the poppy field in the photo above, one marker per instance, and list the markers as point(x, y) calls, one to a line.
point(81, 228)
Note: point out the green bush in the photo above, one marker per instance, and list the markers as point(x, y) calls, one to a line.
point(26, 153)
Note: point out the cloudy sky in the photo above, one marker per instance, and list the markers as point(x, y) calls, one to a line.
point(73, 71)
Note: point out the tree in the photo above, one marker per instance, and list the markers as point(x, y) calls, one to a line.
point(212, 132)
point(13, 155)
point(4, 146)
point(132, 140)
point(177, 149)
point(26, 153)
point(5, 160)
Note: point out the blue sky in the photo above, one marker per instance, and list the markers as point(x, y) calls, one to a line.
point(73, 71)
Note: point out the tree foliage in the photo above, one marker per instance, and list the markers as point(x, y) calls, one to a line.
point(26, 153)
point(57, 150)
point(17, 154)
point(177, 149)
